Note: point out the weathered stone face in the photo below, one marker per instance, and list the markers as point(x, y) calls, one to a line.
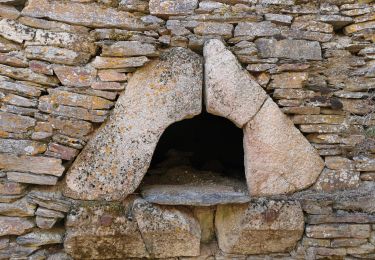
point(278, 158)
point(103, 232)
point(292, 49)
point(229, 91)
point(259, 227)
point(167, 231)
point(166, 90)
point(172, 7)
point(83, 14)
point(134, 228)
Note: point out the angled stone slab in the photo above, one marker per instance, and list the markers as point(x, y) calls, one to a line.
point(113, 163)
point(278, 158)
point(230, 91)
point(167, 231)
point(260, 227)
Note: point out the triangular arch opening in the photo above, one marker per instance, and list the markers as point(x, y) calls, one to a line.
point(198, 161)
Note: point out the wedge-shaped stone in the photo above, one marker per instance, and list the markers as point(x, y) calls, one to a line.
point(230, 91)
point(15, 31)
point(172, 7)
point(167, 231)
point(278, 158)
point(260, 227)
point(108, 233)
point(291, 49)
point(39, 165)
point(115, 160)
point(88, 14)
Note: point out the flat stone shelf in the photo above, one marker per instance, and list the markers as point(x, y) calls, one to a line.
point(186, 186)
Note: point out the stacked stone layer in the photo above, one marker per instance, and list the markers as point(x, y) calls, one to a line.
point(63, 65)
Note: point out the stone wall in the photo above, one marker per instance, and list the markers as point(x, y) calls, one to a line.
point(64, 66)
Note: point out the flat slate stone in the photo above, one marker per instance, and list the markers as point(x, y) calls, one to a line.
point(291, 49)
point(186, 186)
point(172, 7)
point(87, 14)
point(114, 161)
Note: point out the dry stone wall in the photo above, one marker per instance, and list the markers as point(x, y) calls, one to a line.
point(74, 73)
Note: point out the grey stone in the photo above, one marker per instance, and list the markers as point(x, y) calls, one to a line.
point(260, 29)
point(139, 118)
point(21, 88)
point(12, 30)
point(128, 48)
point(26, 147)
point(292, 49)
point(28, 75)
point(118, 63)
point(278, 158)
point(57, 55)
point(187, 186)
point(41, 237)
point(230, 91)
point(49, 200)
point(172, 7)
point(24, 177)
point(260, 227)
point(88, 14)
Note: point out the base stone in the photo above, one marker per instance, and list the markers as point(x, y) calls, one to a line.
point(261, 227)
point(132, 229)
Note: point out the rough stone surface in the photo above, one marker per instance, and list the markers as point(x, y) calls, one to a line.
point(292, 49)
point(93, 229)
point(167, 231)
point(259, 227)
point(230, 91)
point(75, 76)
point(197, 188)
point(38, 165)
point(278, 158)
point(172, 7)
point(165, 91)
point(83, 14)
point(129, 48)
point(15, 225)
